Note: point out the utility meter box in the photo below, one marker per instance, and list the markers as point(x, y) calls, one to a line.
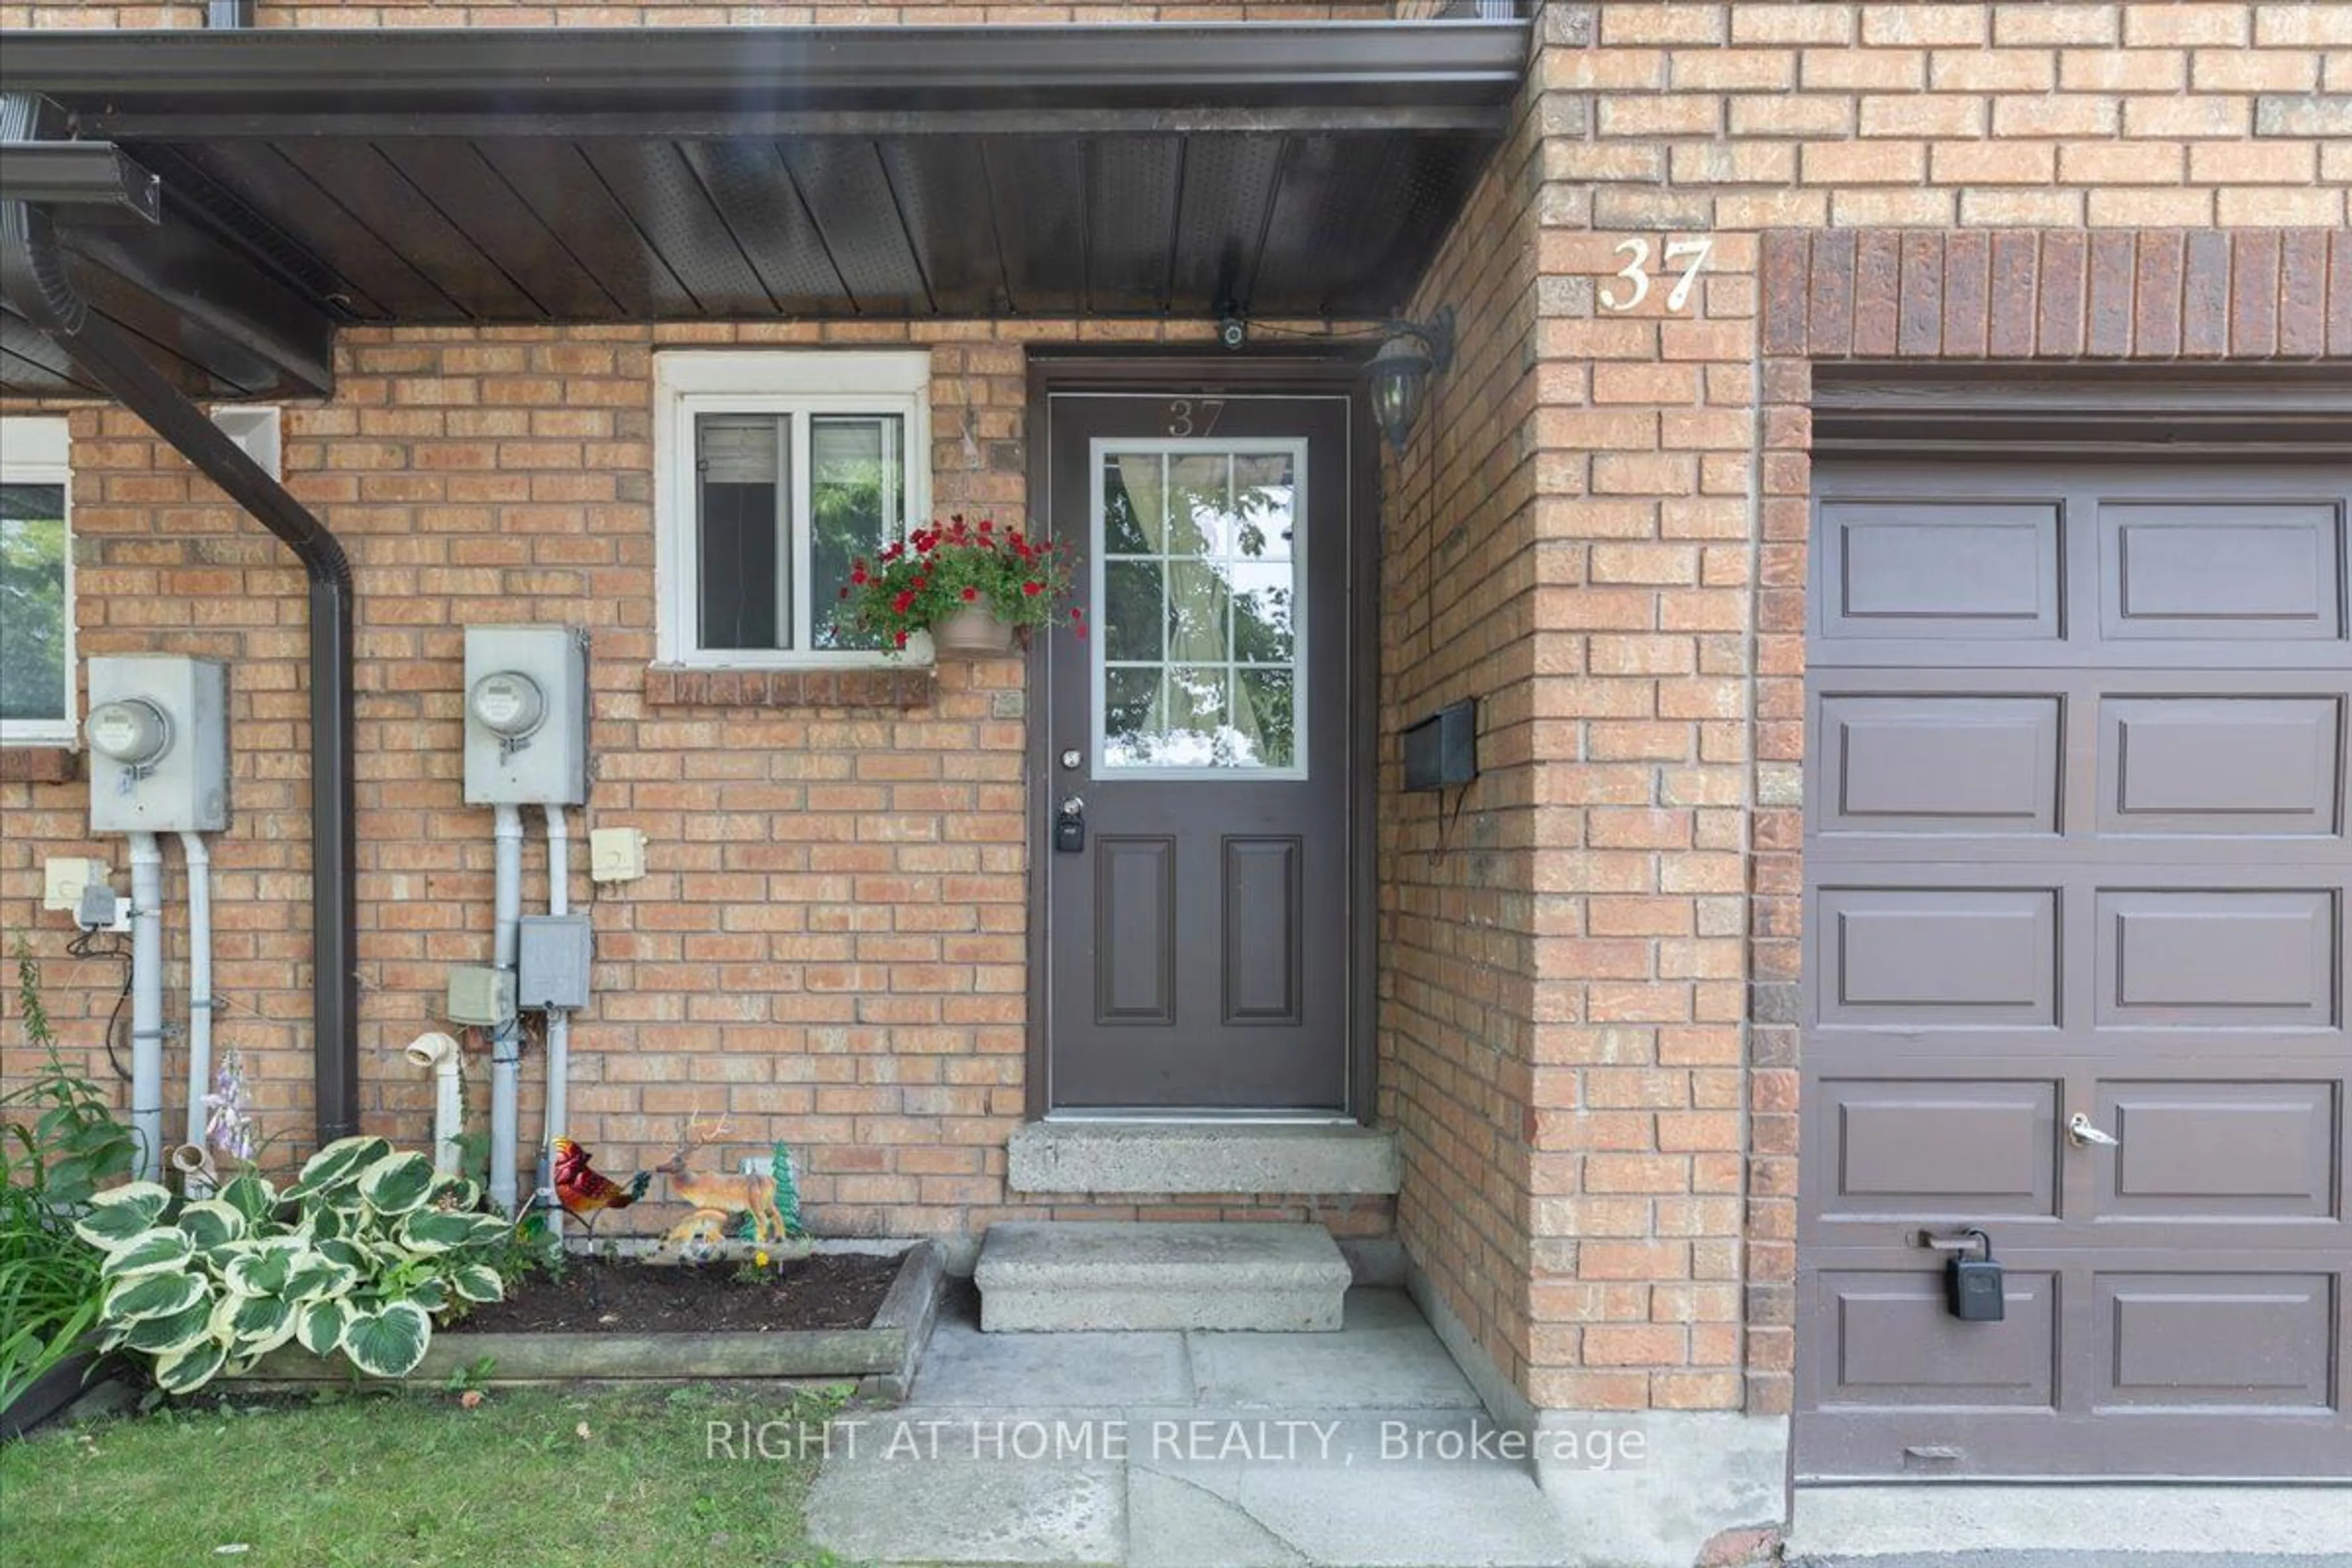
point(158, 737)
point(526, 716)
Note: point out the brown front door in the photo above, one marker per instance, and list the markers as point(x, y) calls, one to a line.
point(1200, 737)
point(2076, 876)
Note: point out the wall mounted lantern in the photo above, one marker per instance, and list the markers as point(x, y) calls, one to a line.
point(1399, 373)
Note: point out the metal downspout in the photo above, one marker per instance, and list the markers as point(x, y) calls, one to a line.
point(33, 280)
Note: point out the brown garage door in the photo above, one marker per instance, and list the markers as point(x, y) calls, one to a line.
point(2075, 848)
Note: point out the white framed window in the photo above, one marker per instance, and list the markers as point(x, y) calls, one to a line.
point(774, 472)
point(36, 584)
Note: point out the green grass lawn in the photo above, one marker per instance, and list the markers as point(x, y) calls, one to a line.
point(595, 1478)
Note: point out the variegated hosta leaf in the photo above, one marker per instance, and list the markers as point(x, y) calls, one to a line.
point(213, 1223)
point(430, 1294)
point(477, 1282)
point(172, 1331)
point(389, 1342)
point(164, 1248)
point(337, 1164)
point(320, 1326)
point(328, 1223)
point(397, 1183)
point(123, 1213)
point(432, 1230)
point(250, 1195)
point(153, 1296)
point(315, 1277)
point(262, 1273)
point(254, 1325)
point(186, 1369)
point(352, 1254)
point(455, 1192)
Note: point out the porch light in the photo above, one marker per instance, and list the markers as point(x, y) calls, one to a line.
point(1400, 373)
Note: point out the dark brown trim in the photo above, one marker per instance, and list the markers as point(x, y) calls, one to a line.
point(2277, 410)
point(189, 83)
point(1314, 367)
point(93, 174)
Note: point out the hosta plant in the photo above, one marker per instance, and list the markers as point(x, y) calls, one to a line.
point(357, 1257)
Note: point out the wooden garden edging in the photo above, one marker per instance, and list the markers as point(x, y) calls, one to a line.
point(882, 1355)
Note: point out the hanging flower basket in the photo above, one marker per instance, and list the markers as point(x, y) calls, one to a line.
point(976, 589)
point(973, 632)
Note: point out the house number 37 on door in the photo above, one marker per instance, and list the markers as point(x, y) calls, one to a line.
point(1683, 260)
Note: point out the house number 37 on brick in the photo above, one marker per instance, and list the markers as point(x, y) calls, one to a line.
point(1683, 259)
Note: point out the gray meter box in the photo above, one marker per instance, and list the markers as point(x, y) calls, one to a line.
point(157, 736)
point(526, 716)
point(552, 963)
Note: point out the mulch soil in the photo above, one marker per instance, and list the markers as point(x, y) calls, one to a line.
point(824, 1290)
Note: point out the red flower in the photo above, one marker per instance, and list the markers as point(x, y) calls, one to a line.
point(903, 602)
point(844, 592)
point(902, 639)
point(858, 577)
point(972, 594)
point(987, 524)
point(921, 583)
point(1033, 588)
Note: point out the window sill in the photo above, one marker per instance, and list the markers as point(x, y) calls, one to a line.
point(898, 686)
point(38, 764)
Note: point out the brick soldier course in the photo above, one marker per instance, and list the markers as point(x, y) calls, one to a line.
point(1586, 998)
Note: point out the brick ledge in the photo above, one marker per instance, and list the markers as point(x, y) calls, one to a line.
point(673, 685)
point(39, 764)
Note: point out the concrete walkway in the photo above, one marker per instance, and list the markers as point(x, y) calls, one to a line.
point(1363, 1449)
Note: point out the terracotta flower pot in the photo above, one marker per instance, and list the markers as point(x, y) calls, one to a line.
point(973, 632)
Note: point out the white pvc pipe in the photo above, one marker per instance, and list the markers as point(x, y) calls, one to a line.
point(440, 1053)
point(559, 1021)
point(147, 1003)
point(506, 1041)
point(200, 990)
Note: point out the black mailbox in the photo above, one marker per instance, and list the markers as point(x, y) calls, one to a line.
point(1441, 751)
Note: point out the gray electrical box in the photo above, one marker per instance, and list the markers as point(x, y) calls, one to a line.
point(526, 716)
point(481, 995)
point(158, 737)
point(552, 962)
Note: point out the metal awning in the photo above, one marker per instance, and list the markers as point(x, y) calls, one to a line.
point(310, 179)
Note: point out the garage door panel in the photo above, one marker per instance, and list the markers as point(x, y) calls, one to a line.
point(1938, 957)
point(2241, 1341)
point(1927, 764)
point(1942, 568)
point(2221, 764)
point(2077, 842)
point(2260, 1149)
point(2220, 570)
point(1931, 1150)
point(2218, 960)
point(1894, 1345)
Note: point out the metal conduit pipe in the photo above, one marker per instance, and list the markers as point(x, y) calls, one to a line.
point(200, 1005)
point(559, 1020)
point(33, 280)
point(147, 1003)
point(506, 1040)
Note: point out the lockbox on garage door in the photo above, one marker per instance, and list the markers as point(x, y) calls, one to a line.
point(526, 716)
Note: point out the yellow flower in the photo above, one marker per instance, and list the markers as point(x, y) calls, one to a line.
point(761, 1258)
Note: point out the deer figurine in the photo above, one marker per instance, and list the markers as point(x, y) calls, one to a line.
point(772, 1200)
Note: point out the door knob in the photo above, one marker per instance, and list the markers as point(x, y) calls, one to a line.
point(2083, 1135)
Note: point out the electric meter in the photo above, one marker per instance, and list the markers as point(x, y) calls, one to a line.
point(526, 716)
point(130, 731)
point(508, 704)
point(158, 734)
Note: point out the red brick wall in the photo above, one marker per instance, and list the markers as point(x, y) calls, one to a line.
point(829, 948)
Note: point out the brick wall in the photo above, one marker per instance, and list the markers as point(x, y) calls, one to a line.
point(829, 948)
point(1589, 968)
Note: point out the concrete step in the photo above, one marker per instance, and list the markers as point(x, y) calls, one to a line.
point(1060, 1275)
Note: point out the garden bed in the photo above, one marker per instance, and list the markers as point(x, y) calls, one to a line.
point(682, 1322)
